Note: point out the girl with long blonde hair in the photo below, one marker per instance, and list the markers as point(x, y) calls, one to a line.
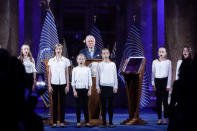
point(29, 64)
point(58, 81)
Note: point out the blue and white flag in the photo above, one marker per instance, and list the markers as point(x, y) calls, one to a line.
point(48, 39)
point(134, 47)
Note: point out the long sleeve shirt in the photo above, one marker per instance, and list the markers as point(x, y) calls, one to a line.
point(106, 75)
point(162, 69)
point(177, 69)
point(81, 77)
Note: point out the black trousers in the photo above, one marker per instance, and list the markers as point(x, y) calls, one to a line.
point(61, 90)
point(162, 96)
point(106, 95)
point(82, 101)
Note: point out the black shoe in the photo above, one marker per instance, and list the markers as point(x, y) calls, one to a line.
point(164, 123)
point(62, 125)
point(103, 126)
point(111, 126)
point(78, 125)
point(88, 125)
point(159, 123)
point(54, 125)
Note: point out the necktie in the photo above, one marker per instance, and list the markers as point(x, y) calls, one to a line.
point(91, 52)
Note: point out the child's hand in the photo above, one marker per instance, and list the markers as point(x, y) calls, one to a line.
point(75, 93)
point(154, 88)
point(50, 88)
point(89, 92)
point(98, 90)
point(115, 90)
point(67, 89)
point(168, 89)
point(34, 85)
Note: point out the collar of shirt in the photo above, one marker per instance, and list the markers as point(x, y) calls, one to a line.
point(91, 49)
point(55, 59)
point(26, 58)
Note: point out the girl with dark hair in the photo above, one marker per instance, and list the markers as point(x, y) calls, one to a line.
point(186, 54)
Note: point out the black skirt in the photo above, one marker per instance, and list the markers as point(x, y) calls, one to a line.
point(29, 80)
point(106, 91)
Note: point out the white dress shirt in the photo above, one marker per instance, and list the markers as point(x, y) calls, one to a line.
point(177, 68)
point(29, 66)
point(106, 75)
point(81, 77)
point(162, 69)
point(58, 70)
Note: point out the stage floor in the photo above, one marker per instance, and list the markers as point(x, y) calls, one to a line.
point(148, 115)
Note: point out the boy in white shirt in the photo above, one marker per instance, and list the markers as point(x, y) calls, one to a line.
point(106, 84)
point(161, 82)
point(81, 83)
point(58, 81)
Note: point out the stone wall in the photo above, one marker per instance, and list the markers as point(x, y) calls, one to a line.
point(9, 25)
point(181, 28)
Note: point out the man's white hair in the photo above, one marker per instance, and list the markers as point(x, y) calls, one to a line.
point(90, 36)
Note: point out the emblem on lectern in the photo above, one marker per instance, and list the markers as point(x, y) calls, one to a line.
point(93, 68)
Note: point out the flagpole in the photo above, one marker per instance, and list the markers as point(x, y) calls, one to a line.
point(94, 19)
point(134, 18)
point(49, 9)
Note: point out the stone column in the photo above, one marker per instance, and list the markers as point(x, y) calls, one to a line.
point(181, 28)
point(9, 25)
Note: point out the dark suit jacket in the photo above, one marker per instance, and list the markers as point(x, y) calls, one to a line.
point(97, 53)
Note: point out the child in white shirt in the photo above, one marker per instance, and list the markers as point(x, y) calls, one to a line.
point(58, 81)
point(161, 82)
point(106, 84)
point(81, 83)
point(29, 64)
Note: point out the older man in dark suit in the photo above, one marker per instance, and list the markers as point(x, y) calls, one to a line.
point(91, 52)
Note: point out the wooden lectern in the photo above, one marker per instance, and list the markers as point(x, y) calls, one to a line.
point(50, 119)
point(94, 105)
point(133, 72)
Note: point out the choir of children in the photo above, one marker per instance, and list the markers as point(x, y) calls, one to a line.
point(106, 82)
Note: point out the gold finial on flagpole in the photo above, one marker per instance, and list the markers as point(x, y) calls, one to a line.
point(48, 1)
point(94, 18)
